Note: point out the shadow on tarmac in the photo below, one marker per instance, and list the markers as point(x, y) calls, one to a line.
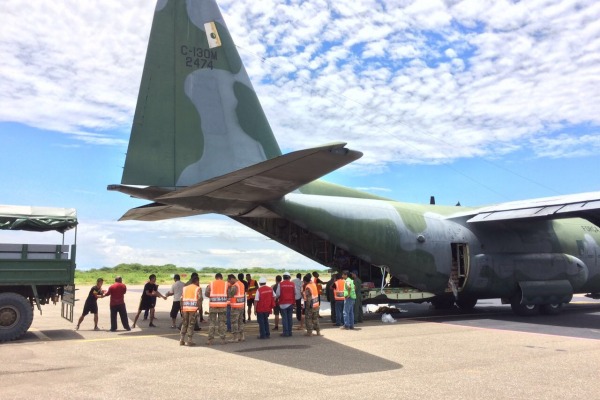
point(313, 354)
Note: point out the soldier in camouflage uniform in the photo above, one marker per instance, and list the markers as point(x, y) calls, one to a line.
point(190, 301)
point(311, 317)
point(216, 292)
point(235, 292)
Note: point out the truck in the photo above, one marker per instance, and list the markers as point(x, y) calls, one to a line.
point(33, 275)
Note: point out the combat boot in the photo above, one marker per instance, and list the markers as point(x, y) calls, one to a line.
point(242, 337)
point(209, 342)
point(234, 338)
point(181, 342)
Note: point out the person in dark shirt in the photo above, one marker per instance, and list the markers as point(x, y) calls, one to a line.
point(241, 279)
point(148, 300)
point(91, 303)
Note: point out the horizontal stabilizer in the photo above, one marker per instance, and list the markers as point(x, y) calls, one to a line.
point(265, 181)
point(157, 212)
point(241, 191)
point(583, 205)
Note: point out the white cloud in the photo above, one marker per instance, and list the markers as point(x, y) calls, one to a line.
point(72, 66)
point(563, 146)
point(404, 82)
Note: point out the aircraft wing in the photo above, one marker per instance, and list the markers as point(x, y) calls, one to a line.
point(241, 191)
point(582, 205)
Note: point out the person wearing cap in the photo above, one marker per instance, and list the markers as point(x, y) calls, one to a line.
point(358, 310)
point(286, 294)
point(176, 291)
point(264, 302)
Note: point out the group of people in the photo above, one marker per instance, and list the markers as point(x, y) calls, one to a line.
point(346, 300)
point(228, 300)
point(345, 296)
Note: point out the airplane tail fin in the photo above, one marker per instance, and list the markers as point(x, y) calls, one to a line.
point(197, 115)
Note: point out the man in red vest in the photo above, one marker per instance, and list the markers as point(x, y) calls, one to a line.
point(286, 293)
point(190, 301)
point(264, 301)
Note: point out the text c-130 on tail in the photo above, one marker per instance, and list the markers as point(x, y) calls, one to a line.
point(200, 143)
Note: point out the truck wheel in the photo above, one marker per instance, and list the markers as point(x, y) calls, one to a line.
point(16, 316)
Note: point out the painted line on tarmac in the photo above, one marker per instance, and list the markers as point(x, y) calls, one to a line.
point(40, 335)
point(128, 337)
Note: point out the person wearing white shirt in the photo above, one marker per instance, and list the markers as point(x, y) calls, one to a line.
point(299, 316)
point(176, 291)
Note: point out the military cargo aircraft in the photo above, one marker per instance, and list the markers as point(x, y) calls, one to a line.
point(200, 143)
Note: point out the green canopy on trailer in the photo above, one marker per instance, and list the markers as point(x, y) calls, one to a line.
point(37, 219)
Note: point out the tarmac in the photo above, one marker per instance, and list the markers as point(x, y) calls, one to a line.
point(487, 353)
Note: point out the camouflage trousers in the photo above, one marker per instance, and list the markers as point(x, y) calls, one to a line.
point(187, 325)
point(312, 319)
point(237, 321)
point(217, 322)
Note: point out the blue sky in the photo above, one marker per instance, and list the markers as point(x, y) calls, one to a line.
point(473, 101)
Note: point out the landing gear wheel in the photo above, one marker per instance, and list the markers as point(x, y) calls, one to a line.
point(443, 303)
point(551, 309)
point(466, 303)
point(16, 316)
point(522, 309)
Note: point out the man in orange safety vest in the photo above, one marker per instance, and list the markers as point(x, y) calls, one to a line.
point(311, 307)
point(190, 302)
point(216, 292)
point(236, 295)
